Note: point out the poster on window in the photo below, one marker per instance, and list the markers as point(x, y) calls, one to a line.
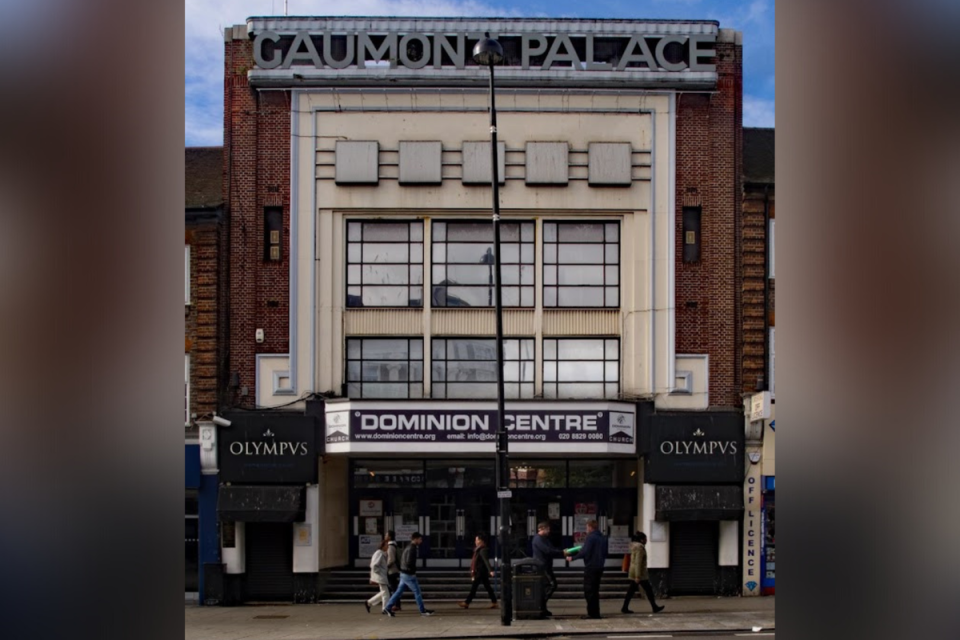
point(371, 508)
point(583, 513)
point(617, 545)
point(404, 531)
point(370, 526)
point(368, 546)
point(553, 510)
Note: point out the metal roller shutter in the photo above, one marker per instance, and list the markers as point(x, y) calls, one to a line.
point(693, 557)
point(269, 561)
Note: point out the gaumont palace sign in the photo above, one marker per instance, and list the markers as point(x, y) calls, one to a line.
point(305, 49)
point(368, 426)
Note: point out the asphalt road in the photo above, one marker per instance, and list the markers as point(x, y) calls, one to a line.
point(766, 635)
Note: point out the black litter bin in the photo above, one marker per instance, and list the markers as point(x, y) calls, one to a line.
point(527, 589)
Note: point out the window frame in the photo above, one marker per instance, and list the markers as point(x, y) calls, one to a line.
point(557, 395)
point(410, 264)
point(519, 384)
point(409, 361)
point(557, 287)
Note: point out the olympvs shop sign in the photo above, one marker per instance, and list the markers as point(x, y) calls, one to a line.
point(702, 449)
point(268, 449)
point(566, 426)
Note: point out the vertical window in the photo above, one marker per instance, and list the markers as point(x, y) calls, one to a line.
point(581, 367)
point(186, 389)
point(463, 264)
point(186, 273)
point(467, 368)
point(384, 264)
point(272, 233)
point(581, 264)
point(384, 367)
point(691, 234)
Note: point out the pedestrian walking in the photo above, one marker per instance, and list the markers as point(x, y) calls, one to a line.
point(378, 576)
point(393, 563)
point(594, 555)
point(544, 552)
point(480, 572)
point(408, 577)
point(638, 574)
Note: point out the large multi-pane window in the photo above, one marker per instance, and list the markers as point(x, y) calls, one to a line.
point(581, 367)
point(467, 368)
point(581, 264)
point(384, 264)
point(463, 264)
point(384, 367)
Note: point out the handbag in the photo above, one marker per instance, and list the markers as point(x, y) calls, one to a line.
point(626, 562)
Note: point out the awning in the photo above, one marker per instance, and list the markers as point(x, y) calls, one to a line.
point(699, 502)
point(259, 503)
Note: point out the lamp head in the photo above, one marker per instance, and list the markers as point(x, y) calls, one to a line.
point(487, 52)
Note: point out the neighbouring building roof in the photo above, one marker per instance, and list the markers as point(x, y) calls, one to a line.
point(758, 155)
point(204, 177)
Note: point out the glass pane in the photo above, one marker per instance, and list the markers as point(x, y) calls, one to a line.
point(471, 390)
point(511, 296)
point(549, 296)
point(416, 296)
point(526, 297)
point(613, 232)
point(526, 348)
point(439, 253)
point(549, 254)
point(580, 390)
point(611, 350)
point(582, 232)
point(391, 253)
point(438, 390)
point(549, 275)
point(511, 371)
point(582, 349)
point(385, 390)
point(471, 274)
point(509, 232)
point(509, 253)
point(354, 253)
point(526, 390)
point(416, 371)
point(471, 349)
point(612, 371)
point(549, 231)
point(581, 275)
point(526, 274)
point(593, 473)
point(580, 371)
point(467, 297)
point(540, 474)
point(386, 231)
point(472, 231)
point(439, 231)
point(550, 391)
point(550, 371)
point(416, 231)
point(611, 297)
point(471, 371)
point(416, 390)
point(439, 349)
point(353, 349)
point(439, 274)
point(581, 297)
point(353, 370)
point(353, 274)
point(383, 274)
point(354, 297)
point(510, 274)
point(353, 390)
point(581, 253)
point(444, 474)
point(549, 349)
point(385, 371)
point(385, 297)
point(612, 391)
point(526, 231)
point(511, 390)
point(416, 253)
point(385, 348)
point(416, 349)
point(511, 349)
point(613, 275)
point(353, 231)
point(527, 254)
point(613, 254)
point(416, 274)
point(526, 370)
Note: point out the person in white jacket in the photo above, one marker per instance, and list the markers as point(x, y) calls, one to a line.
point(378, 575)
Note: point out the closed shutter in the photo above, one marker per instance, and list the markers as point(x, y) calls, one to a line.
point(269, 561)
point(693, 557)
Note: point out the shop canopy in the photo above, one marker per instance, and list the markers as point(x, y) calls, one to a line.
point(699, 502)
point(259, 503)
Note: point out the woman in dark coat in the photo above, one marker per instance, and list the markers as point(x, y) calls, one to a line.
point(480, 572)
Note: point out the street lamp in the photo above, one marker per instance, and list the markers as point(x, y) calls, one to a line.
point(488, 53)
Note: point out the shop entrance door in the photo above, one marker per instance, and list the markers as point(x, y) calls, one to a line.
point(269, 561)
point(375, 512)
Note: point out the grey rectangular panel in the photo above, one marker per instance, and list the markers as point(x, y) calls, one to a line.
point(476, 162)
point(547, 162)
point(357, 161)
point(420, 163)
point(610, 163)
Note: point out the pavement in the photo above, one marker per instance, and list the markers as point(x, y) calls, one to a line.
point(342, 621)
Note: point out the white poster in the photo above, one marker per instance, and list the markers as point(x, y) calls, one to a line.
point(371, 508)
point(617, 545)
point(404, 531)
point(369, 545)
point(304, 534)
point(553, 510)
point(370, 526)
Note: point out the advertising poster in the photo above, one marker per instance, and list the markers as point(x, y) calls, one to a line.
point(370, 526)
point(369, 545)
point(371, 508)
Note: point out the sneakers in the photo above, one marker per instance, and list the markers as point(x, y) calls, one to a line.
point(387, 612)
point(463, 605)
point(426, 612)
point(658, 608)
point(367, 606)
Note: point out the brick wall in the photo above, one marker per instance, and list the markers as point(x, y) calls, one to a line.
point(204, 325)
point(709, 157)
point(754, 249)
point(256, 175)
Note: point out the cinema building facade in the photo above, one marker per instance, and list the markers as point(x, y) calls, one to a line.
point(359, 167)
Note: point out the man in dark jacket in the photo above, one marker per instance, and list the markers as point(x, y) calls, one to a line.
point(393, 563)
point(408, 577)
point(480, 571)
point(544, 553)
point(594, 555)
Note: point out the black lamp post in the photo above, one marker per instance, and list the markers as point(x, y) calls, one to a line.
point(488, 53)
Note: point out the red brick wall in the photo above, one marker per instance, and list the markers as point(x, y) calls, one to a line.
point(204, 325)
point(709, 143)
point(754, 250)
point(257, 175)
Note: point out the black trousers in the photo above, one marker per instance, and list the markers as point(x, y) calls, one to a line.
point(483, 579)
point(549, 584)
point(591, 590)
point(647, 589)
point(394, 580)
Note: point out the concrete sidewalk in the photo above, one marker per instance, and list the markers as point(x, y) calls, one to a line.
point(343, 621)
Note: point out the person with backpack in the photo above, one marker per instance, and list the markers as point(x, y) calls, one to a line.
point(393, 564)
